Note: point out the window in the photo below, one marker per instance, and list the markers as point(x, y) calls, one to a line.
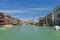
point(1, 21)
point(59, 9)
point(58, 15)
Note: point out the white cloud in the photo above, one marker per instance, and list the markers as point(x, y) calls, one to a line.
point(27, 18)
point(39, 9)
point(16, 11)
point(11, 11)
point(27, 10)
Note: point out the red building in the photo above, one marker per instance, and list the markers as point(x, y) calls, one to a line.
point(2, 18)
point(6, 20)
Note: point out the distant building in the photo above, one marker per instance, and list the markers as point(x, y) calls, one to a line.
point(15, 21)
point(35, 21)
point(50, 19)
point(1, 18)
point(6, 20)
point(43, 21)
point(47, 20)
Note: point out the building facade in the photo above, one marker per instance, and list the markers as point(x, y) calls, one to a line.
point(43, 21)
point(15, 21)
point(57, 15)
point(50, 19)
point(7, 20)
point(2, 18)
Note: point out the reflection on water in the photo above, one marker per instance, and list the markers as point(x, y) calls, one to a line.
point(29, 33)
point(4, 27)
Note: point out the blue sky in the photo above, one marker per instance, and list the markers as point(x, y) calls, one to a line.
point(27, 9)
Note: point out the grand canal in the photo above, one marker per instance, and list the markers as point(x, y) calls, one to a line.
point(29, 33)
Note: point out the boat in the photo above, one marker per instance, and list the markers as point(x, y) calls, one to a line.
point(57, 28)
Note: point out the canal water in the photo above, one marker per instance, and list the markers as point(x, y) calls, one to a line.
point(29, 33)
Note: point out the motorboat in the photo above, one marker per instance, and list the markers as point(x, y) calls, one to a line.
point(57, 28)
